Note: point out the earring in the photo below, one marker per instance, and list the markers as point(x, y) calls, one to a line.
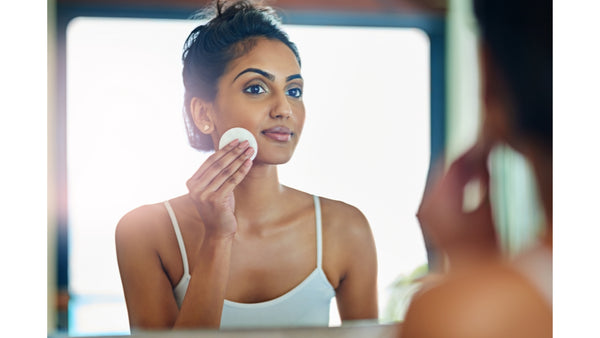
point(205, 128)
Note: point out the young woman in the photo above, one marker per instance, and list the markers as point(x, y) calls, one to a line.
point(241, 249)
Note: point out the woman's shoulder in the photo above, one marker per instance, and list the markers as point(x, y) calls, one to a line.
point(342, 212)
point(349, 246)
point(142, 215)
point(141, 222)
point(345, 220)
point(494, 293)
point(338, 216)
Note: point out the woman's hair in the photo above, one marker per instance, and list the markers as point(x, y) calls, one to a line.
point(210, 48)
point(519, 36)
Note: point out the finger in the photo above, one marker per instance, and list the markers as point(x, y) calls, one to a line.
point(215, 164)
point(471, 163)
point(232, 182)
point(482, 220)
point(231, 174)
point(467, 174)
point(484, 211)
point(216, 156)
point(476, 190)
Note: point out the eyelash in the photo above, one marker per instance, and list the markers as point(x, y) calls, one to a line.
point(252, 90)
point(296, 89)
point(249, 89)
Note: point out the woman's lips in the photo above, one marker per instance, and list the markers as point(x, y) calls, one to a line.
point(279, 134)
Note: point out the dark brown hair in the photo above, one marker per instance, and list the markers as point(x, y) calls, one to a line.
point(519, 37)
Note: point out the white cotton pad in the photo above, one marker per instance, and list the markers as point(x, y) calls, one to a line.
point(242, 135)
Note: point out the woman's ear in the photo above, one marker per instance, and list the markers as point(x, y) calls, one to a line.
point(201, 112)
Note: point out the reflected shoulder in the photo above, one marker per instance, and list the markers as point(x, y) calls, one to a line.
point(490, 301)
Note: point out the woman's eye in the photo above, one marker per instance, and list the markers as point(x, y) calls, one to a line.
point(254, 89)
point(295, 92)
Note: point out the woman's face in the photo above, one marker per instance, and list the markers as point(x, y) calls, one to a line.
point(262, 91)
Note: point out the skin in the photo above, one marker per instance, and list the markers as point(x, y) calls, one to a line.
point(481, 295)
point(248, 238)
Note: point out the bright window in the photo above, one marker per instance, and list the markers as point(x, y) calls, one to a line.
point(366, 141)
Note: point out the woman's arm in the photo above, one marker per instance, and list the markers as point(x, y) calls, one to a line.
point(148, 291)
point(203, 301)
point(356, 294)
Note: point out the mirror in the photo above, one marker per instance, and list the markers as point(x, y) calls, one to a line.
point(366, 141)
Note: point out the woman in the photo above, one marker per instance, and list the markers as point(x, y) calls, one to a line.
point(241, 249)
point(485, 294)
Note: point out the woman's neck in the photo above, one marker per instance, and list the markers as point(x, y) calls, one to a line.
point(259, 196)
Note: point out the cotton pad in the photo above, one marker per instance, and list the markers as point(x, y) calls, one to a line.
point(240, 134)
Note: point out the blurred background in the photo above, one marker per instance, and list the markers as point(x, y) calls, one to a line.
point(396, 72)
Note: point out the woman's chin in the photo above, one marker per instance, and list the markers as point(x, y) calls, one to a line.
point(272, 159)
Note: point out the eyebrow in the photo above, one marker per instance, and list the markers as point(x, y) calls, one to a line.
point(269, 76)
point(291, 77)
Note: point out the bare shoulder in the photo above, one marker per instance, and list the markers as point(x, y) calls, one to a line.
point(501, 301)
point(350, 259)
point(346, 231)
point(337, 216)
point(141, 224)
point(340, 216)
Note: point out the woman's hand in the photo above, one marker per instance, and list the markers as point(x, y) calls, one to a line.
point(211, 187)
point(466, 236)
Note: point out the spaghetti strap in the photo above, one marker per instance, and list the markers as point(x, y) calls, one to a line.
point(179, 237)
point(318, 230)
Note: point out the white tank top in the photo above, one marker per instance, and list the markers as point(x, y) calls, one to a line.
point(307, 304)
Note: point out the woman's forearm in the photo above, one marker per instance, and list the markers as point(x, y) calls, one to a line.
point(203, 301)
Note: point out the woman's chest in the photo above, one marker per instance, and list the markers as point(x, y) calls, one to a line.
point(265, 269)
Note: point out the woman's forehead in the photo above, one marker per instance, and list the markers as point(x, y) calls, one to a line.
point(272, 56)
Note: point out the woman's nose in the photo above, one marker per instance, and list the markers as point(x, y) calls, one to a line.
point(281, 107)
